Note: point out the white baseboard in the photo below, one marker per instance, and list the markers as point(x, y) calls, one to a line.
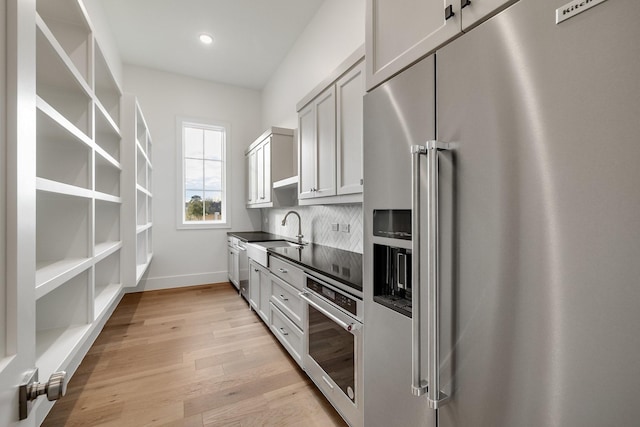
point(168, 282)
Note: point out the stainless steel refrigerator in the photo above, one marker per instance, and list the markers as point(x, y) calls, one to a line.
point(528, 215)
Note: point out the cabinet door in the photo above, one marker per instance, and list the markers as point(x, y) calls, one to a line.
point(478, 10)
point(399, 32)
point(349, 93)
point(254, 285)
point(266, 172)
point(260, 174)
point(325, 112)
point(265, 295)
point(249, 176)
point(253, 177)
point(306, 152)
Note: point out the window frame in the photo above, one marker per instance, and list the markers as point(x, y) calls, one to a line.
point(181, 123)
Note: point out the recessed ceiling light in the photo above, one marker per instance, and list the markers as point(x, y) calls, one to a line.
point(206, 38)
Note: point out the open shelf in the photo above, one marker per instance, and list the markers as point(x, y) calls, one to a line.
point(141, 169)
point(107, 136)
point(107, 177)
point(62, 322)
point(104, 249)
point(149, 209)
point(107, 222)
point(68, 24)
point(51, 274)
point(60, 156)
point(107, 90)
point(60, 85)
point(141, 208)
point(286, 184)
point(136, 172)
point(107, 283)
point(62, 227)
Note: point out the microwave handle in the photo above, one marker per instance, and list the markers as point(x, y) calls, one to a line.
point(431, 387)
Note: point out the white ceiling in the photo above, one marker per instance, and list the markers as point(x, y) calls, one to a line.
point(251, 36)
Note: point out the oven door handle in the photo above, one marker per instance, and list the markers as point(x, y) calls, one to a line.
point(349, 327)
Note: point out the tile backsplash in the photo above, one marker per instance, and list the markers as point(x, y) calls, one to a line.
point(318, 224)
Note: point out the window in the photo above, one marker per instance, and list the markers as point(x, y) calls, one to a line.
point(203, 167)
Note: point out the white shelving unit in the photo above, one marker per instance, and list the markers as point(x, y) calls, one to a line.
point(137, 173)
point(78, 230)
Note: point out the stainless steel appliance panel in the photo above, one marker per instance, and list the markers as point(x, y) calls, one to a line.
point(398, 114)
point(542, 315)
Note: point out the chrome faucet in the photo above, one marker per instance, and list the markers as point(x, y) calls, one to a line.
point(284, 222)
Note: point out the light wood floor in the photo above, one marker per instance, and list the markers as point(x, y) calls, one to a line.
point(189, 357)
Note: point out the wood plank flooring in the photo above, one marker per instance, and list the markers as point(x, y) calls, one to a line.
point(189, 357)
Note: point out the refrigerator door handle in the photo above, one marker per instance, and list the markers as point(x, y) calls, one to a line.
point(431, 386)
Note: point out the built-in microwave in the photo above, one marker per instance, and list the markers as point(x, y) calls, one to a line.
point(392, 277)
point(392, 259)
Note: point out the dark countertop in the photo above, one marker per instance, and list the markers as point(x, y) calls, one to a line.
point(255, 236)
point(343, 266)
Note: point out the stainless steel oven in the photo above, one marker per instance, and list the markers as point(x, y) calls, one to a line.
point(333, 345)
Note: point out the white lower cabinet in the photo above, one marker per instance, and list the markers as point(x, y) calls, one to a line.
point(259, 278)
point(289, 335)
point(273, 294)
point(285, 298)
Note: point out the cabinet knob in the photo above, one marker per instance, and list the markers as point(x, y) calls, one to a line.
point(464, 3)
point(448, 12)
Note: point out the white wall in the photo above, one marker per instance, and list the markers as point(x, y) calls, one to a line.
point(333, 34)
point(105, 38)
point(190, 257)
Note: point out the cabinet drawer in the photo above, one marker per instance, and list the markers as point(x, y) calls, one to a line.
point(287, 333)
point(286, 298)
point(287, 272)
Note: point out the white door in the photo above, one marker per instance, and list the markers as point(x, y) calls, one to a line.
point(325, 115)
point(349, 93)
point(398, 33)
point(17, 205)
point(306, 152)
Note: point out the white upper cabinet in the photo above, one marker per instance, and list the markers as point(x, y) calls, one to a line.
point(317, 157)
point(330, 121)
point(306, 152)
point(349, 94)
point(269, 159)
point(400, 32)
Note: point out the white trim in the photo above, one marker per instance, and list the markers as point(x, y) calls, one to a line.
point(168, 282)
point(226, 190)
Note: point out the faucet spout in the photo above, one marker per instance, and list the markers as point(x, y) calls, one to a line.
point(284, 222)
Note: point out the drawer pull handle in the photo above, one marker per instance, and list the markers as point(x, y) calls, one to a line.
point(283, 270)
point(283, 298)
point(283, 332)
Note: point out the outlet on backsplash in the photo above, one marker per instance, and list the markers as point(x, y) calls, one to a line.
point(334, 227)
point(345, 228)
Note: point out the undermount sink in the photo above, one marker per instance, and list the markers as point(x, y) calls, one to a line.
point(257, 251)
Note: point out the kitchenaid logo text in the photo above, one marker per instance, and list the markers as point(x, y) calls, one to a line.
point(570, 10)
